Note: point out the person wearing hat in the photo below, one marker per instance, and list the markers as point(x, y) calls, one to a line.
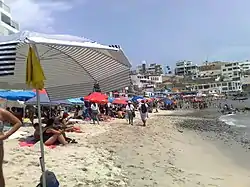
point(130, 109)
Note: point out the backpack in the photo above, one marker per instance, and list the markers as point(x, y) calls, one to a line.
point(51, 180)
point(143, 108)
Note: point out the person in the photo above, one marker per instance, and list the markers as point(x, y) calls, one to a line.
point(143, 108)
point(130, 109)
point(16, 124)
point(52, 136)
point(95, 112)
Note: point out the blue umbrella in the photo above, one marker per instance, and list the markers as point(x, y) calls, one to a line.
point(168, 101)
point(135, 98)
point(44, 100)
point(76, 100)
point(17, 95)
point(111, 99)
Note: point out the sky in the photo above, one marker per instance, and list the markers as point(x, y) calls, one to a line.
point(157, 31)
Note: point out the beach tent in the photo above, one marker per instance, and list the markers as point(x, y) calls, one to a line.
point(76, 101)
point(71, 66)
point(44, 100)
point(17, 95)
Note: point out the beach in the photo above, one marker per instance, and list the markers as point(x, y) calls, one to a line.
point(165, 153)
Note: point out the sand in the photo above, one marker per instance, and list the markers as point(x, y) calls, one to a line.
point(116, 154)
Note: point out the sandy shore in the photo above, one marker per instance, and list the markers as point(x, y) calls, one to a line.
point(116, 154)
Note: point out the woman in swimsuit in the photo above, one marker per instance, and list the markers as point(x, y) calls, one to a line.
point(51, 136)
point(6, 116)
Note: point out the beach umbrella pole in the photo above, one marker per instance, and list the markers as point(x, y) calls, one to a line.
point(42, 161)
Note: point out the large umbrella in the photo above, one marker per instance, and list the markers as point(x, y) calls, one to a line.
point(97, 97)
point(17, 95)
point(72, 65)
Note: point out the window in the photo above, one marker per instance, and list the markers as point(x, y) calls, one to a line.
point(229, 69)
point(224, 70)
point(5, 19)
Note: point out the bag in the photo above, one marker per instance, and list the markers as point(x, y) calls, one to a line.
point(143, 108)
point(133, 113)
point(51, 180)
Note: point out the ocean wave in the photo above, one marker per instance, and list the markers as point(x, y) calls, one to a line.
point(231, 121)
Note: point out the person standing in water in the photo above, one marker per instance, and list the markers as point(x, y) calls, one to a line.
point(143, 108)
point(6, 116)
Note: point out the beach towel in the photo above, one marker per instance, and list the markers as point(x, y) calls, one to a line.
point(32, 143)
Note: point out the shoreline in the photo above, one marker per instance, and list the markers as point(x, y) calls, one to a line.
point(117, 154)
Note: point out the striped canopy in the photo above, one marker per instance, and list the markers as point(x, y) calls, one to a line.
point(72, 65)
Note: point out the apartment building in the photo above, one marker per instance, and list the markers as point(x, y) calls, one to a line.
point(231, 71)
point(218, 87)
point(146, 82)
point(209, 70)
point(186, 68)
point(152, 69)
point(7, 24)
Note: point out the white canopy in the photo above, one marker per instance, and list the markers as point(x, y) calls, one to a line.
point(71, 64)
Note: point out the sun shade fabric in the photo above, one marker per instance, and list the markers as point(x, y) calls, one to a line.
point(34, 72)
point(72, 65)
point(44, 100)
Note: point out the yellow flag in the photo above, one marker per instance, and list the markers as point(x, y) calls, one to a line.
point(34, 72)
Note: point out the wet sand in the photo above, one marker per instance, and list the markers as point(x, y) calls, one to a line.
point(115, 154)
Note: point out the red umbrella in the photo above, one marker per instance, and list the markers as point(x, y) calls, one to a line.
point(43, 91)
point(120, 101)
point(97, 97)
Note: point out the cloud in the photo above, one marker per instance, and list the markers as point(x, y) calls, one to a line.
point(38, 15)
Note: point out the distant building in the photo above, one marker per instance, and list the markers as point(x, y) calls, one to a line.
point(218, 87)
point(231, 71)
point(186, 68)
point(7, 24)
point(146, 82)
point(151, 69)
point(209, 70)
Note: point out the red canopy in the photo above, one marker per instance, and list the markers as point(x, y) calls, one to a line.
point(97, 97)
point(120, 101)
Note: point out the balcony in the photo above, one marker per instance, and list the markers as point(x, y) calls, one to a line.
point(4, 6)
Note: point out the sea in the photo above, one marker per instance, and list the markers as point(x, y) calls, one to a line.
point(239, 119)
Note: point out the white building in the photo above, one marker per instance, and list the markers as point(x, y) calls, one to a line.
point(245, 66)
point(218, 87)
point(7, 24)
point(231, 71)
point(186, 68)
point(146, 81)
